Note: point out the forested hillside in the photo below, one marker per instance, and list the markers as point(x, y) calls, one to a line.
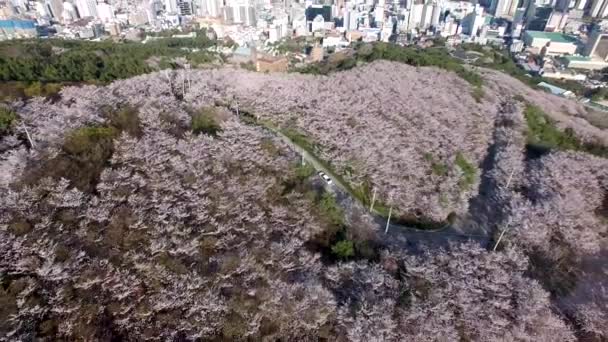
point(157, 208)
point(40, 67)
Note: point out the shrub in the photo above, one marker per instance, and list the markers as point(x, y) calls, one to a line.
point(478, 94)
point(89, 142)
point(468, 171)
point(343, 249)
point(125, 119)
point(542, 131)
point(86, 152)
point(175, 127)
point(268, 145)
point(20, 227)
point(437, 168)
point(543, 135)
point(304, 171)
point(205, 121)
point(330, 210)
point(7, 119)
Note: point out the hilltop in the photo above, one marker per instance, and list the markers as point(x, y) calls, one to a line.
point(168, 206)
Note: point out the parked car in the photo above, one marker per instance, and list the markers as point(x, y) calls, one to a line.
point(325, 177)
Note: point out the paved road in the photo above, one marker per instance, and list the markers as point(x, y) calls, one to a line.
point(398, 236)
point(396, 232)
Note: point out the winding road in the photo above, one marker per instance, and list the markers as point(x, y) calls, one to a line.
point(398, 235)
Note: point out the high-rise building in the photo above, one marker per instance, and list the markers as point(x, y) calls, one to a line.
point(472, 23)
point(562, 5)
point(599, 8)
point(228, 14)
point(379, 13)
point(597, 45)
point(184, 7)
point(86, 8)
point(580, 4)
point(69, 12)
point(55, 8)
point(435, 15)
point(317, 24)
point(504, 8)
point(352, 22)
point(213, 8)
point(105, 12)
point(171, 6)
point(152, 10)
point(415, 16)
point(41, 10)
point(557, 21)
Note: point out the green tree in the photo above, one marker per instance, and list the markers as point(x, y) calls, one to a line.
point(343, 249)
point(7, 119)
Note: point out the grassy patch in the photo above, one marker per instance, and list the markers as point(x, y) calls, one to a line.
point(469, 171)
point(300, 139)
point(478, 94)
point(304, 171)
point(330, 210)
point(7, 120)
point(437, 168)
point(520, 98)
point(86, 151)
point(343, 249)
point(125, 119)
point(267, 145)
point(543, 135)
point(436, 56)
point(206, 121)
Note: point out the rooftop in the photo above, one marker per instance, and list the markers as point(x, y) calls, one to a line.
point(553, 89)
point(556, 37)
point(578, 58)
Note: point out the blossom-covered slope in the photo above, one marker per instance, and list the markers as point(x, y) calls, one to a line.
point(123, 222)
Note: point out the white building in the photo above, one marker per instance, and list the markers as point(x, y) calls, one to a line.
point(599, 8)
point(212, 8)
point(55, 8)
point(353, 19)
point(427, 14)
point(580, 4)
point(69, 12)
point(171, 6)
point(41, 10)
point(554, 43)
point(557, 21)
point(105, 12)
point(318, 24)
point(379, 13)
point(86, 8)
point(436, 14)
point(504, 8)
point(473, 22)
point(299, 25)
point(415, 16)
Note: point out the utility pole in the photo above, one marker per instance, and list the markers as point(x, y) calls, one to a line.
point(168, 78)
point(188, 76)
point(388, 221)
point(513, 170)
point(510, 177)
point(183, 85)
point(501, 235)
point(371, 207)
point(29, 138)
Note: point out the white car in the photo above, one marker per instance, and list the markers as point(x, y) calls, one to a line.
point(325, 177)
